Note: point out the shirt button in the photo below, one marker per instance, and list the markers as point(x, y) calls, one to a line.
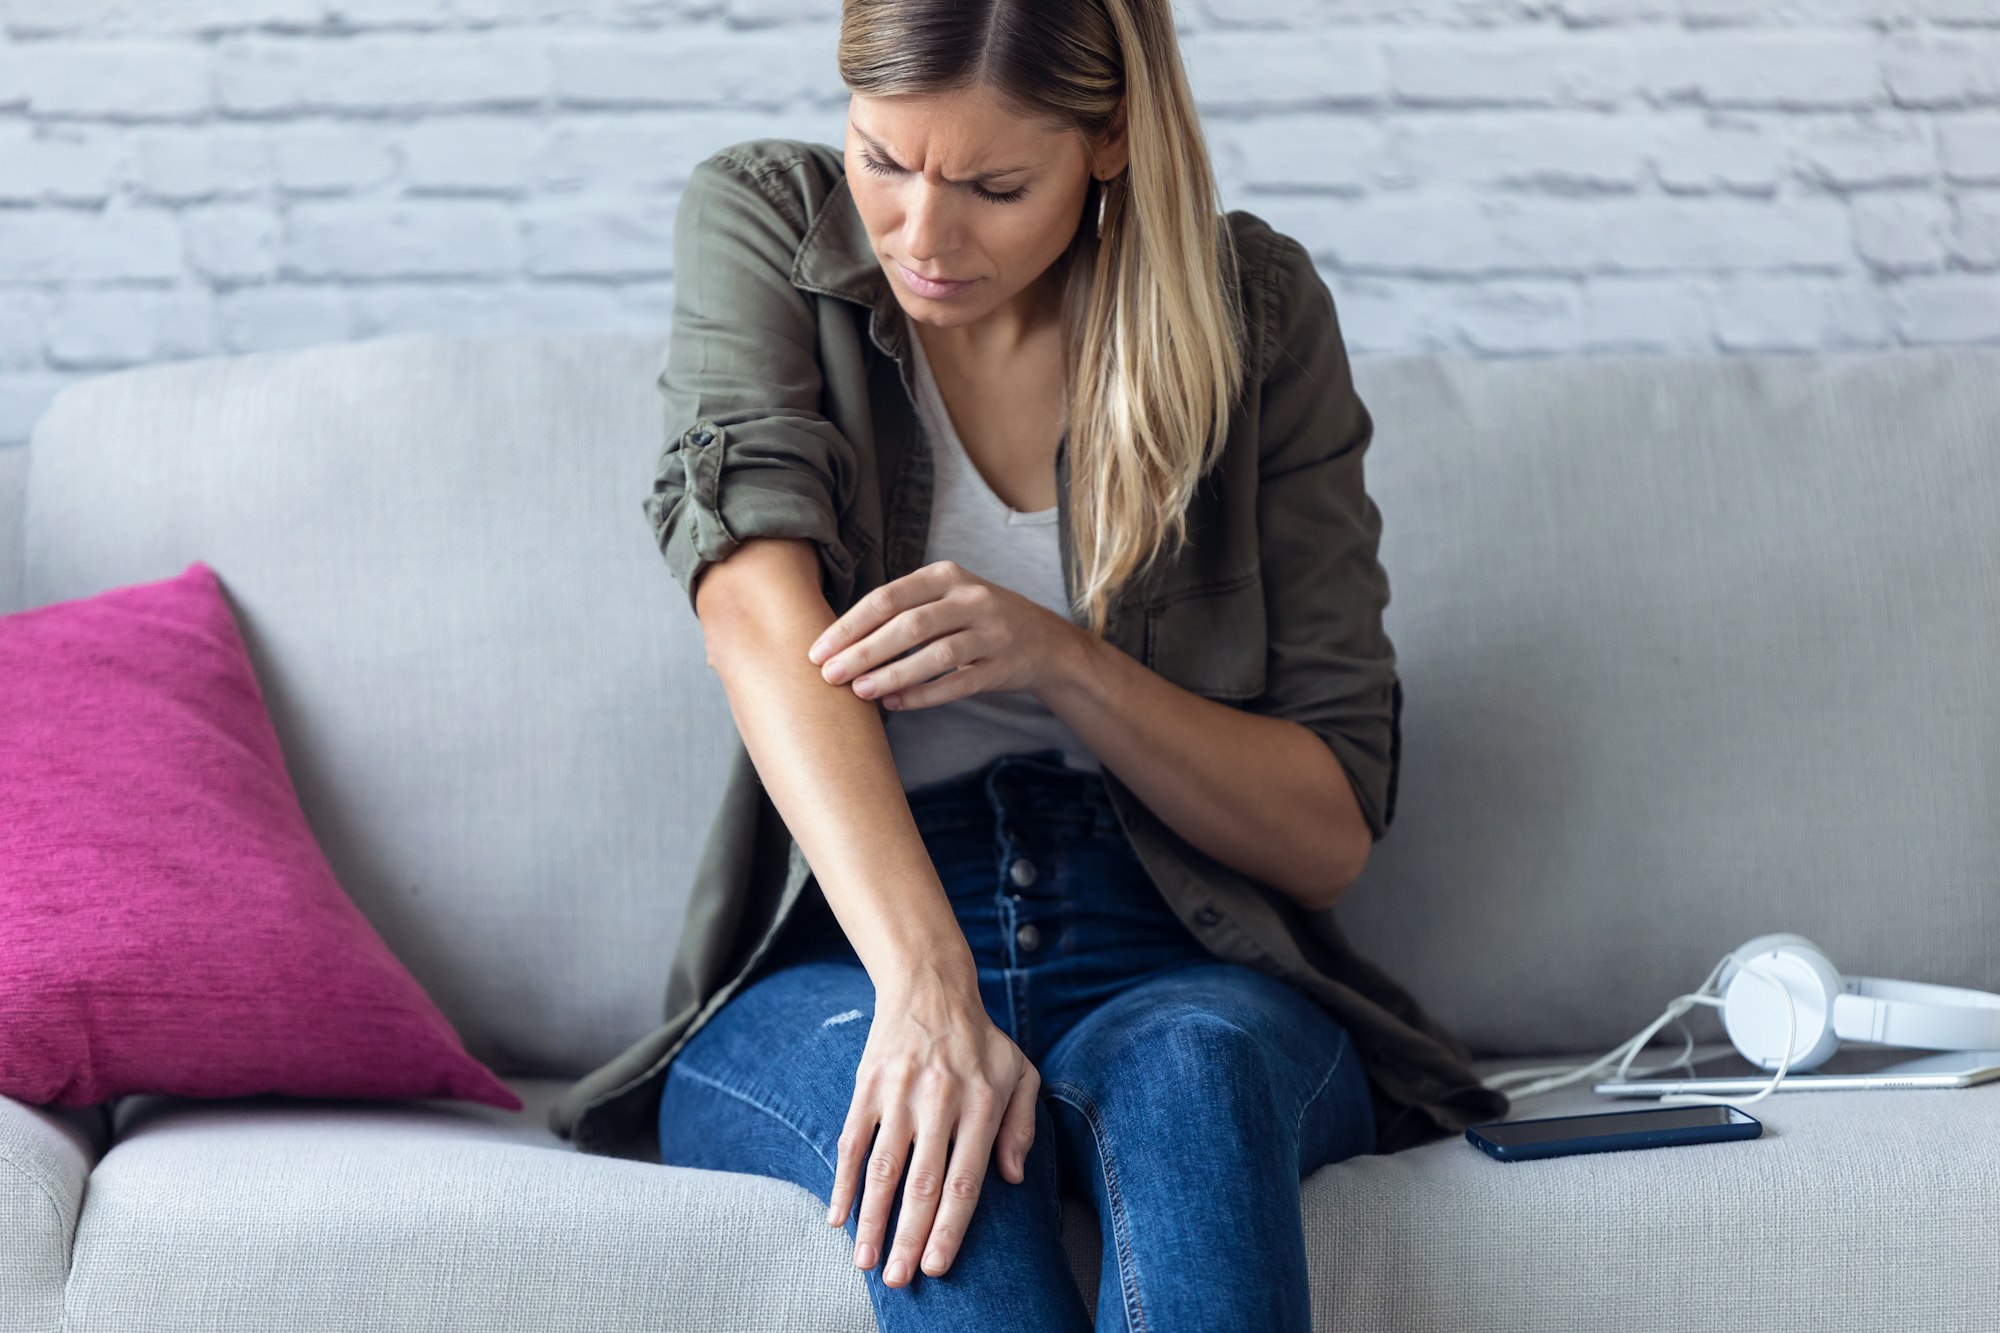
point(1208, 916)
point(1029, 937)
point(1022, 872)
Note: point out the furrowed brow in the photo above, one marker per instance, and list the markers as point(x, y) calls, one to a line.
point(884, 153)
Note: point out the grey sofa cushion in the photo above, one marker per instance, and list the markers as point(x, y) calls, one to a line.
point(13, 495)
point(46, 1154)
point(274, 1213)
point(1693, 650)
point(1854, 1210)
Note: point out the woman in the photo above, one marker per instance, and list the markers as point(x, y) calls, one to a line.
point(1094, 472)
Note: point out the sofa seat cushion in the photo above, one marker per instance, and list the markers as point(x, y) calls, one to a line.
point(261, 1213)
point(46, 1153)
point(1852, 1210)
point(268, 1212)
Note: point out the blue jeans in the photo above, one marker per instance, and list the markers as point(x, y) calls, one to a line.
point(1186, 1096)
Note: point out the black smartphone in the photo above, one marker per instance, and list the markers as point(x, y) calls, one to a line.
point(1611, 1131)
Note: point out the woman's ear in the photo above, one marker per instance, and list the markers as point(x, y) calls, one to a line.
point(1110, 154)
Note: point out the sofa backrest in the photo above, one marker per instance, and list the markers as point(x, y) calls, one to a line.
point(1693, 649)
point(492, 698)
point(13, 495)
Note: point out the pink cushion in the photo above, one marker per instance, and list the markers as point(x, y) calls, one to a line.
point(167, 922)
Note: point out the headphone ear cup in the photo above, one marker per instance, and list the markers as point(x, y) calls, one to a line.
point(1754, 1012)
point(1762, 944)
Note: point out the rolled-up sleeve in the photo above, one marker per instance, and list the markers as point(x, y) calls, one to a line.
point(1331, 666)
point(747, 451)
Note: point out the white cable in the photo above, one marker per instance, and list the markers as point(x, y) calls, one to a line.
point(1558, 1075)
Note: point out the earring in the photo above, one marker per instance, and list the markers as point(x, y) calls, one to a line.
point(1103, 189)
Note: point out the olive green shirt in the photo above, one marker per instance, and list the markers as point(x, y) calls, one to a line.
point(790, 411)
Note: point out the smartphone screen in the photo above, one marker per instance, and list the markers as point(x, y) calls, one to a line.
point(1522, 1133)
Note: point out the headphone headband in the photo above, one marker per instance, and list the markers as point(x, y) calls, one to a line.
point(1917, 1013)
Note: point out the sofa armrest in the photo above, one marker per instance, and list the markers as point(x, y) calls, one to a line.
point(46, 1156)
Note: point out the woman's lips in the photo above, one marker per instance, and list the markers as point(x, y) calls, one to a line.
point(923, 286)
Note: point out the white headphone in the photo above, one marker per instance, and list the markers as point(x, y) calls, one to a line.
point(1786, 1007)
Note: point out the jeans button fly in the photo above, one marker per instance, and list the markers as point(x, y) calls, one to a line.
point(1022, 872)
point(1029, 937)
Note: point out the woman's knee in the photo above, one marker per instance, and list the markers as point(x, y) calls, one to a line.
point(771, 1071)
point(1218, 1044)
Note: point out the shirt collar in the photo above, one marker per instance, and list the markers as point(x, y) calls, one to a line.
point(837, 259)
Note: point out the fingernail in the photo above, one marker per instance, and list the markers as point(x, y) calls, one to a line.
point(864, 1255)
point(934, 1263)
point(814, 653)
point(899, 1271)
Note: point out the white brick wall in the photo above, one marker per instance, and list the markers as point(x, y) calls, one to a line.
point(1499, 177)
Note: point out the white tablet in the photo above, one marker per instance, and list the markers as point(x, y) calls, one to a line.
point(1846, 1070)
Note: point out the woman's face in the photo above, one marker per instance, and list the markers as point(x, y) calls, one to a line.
point(914, 166)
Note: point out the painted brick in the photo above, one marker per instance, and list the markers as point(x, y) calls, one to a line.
point(1480, 69)
point(1780, 70)
point(103, 328)
point(375, 239)
point(1233, 71)
point(123, 79)
point(1479, 176)
point(69, 245)
point(485, 153)
point(606, 239)
point(393, 72)
point(333, 156)
point(1890, 151)
point(258, 319)
point(1948, 308)
point(1639, 314)
point(58, 163)
point(200, 162)
point(697, 69)
point(1902, 232)
point(231, 242)
point(1945, 70)
point(1969, 148)
point(1974, 237)
point(1798, 313)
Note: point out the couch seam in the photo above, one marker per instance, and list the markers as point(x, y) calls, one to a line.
point(42, 1188)
point(69, 1223)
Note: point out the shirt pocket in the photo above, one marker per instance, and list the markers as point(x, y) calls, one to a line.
point(1210, 638)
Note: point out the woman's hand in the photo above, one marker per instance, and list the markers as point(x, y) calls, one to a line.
point(935, 1069)
point(985, 636)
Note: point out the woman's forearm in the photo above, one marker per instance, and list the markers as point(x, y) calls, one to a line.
point(822, 753)
point(1263, 795)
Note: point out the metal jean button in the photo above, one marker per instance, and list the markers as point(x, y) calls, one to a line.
point(1022, 872)
point(1207, 916)
point(1029, 937)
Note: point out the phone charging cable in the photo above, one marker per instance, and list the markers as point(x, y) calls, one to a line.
point(1545, 1077)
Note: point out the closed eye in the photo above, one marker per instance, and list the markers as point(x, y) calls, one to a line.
point(884, 169)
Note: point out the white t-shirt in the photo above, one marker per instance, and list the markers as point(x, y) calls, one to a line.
point(975, 527)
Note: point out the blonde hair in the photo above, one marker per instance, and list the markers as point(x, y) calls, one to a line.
point(1153, 321)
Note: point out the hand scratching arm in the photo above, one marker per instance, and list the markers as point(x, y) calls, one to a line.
point(824, 757)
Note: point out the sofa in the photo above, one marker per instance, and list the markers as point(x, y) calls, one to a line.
point(1694, 649)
